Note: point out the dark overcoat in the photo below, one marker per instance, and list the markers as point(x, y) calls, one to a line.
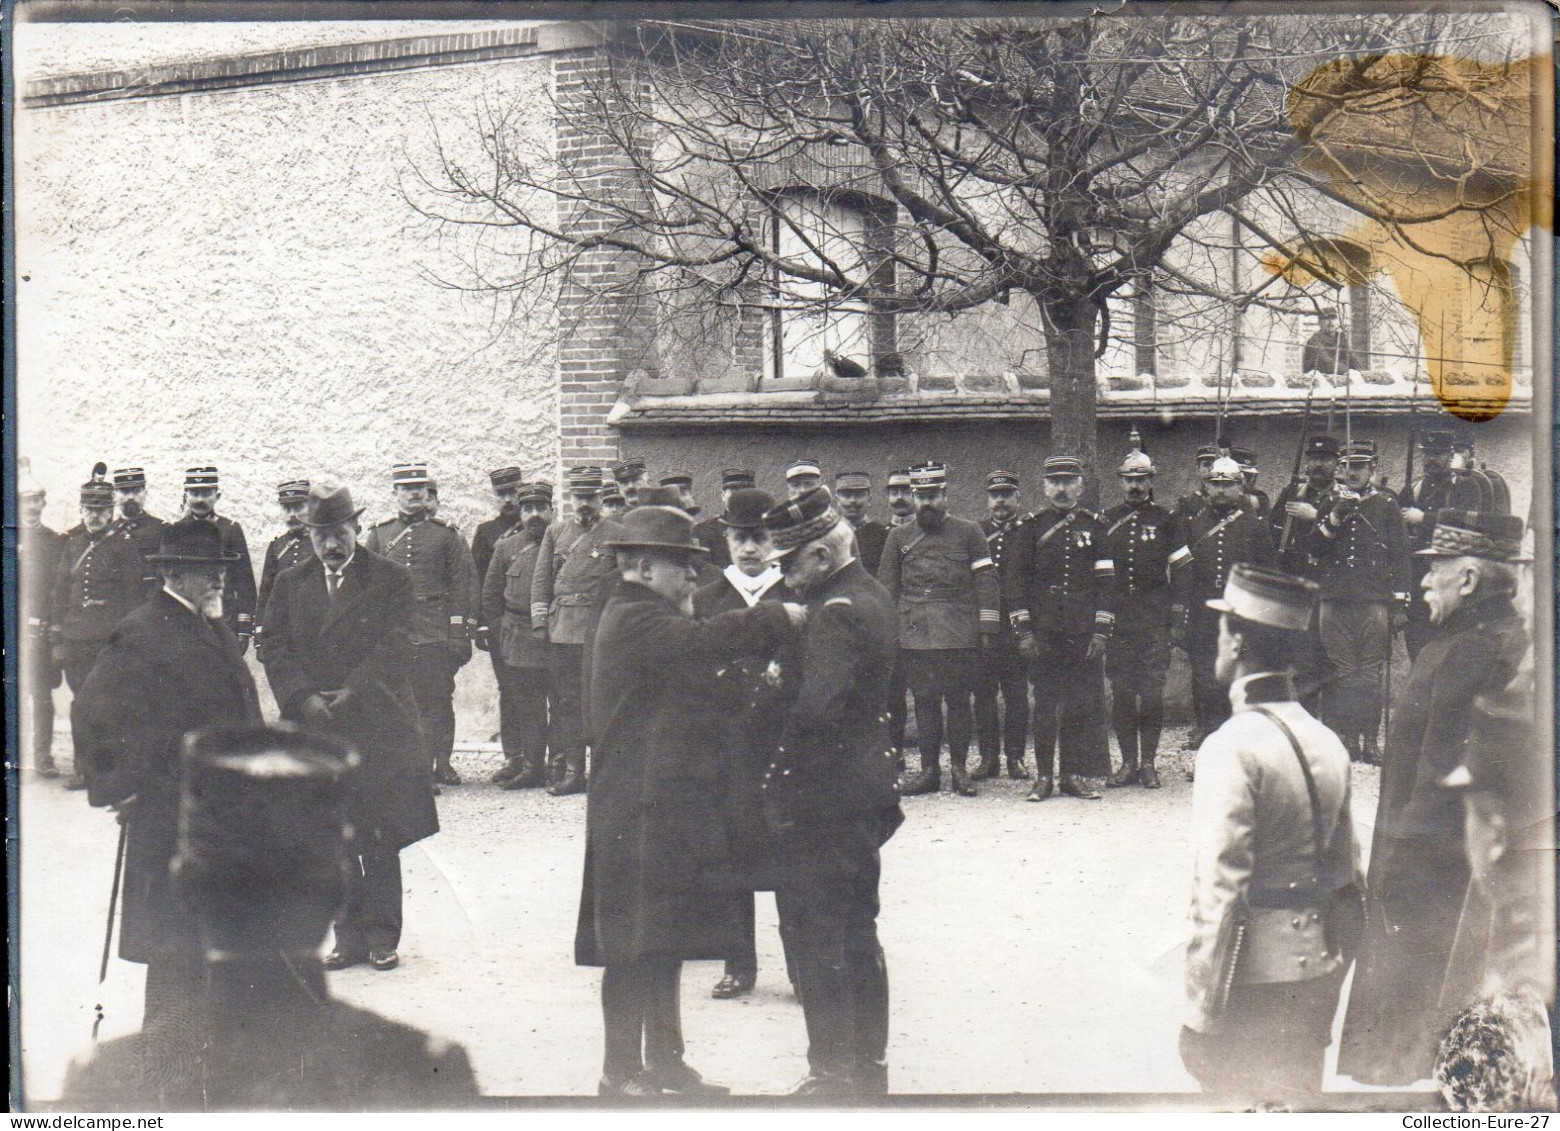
point(1418, 876)
point(361, 643)
point(659, 879)
point(164, 672)
point(749, 704)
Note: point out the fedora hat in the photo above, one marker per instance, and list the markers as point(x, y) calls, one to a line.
point(655, 527)
point(192, 541)
point(330, 506)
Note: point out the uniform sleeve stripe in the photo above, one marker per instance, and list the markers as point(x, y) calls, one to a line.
point(1104, 565)
point(539, 609)
point(990, 616)
point(1103, 616)
point(1181, 556)
point(982, 563)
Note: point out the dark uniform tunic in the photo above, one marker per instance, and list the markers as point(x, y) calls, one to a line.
point(1139, 541)
point(145, 531)
point(712, 536)
point(871, 536)
point(1362, 568)
point(518, 651)
point(1060, 589)
point(1294, 554)
point(97, 582)
point(445, 595)
point(38, 551)
point(1003, 669)
point(1211, 543)
point(1431, 494)
point(486, 537)
point(1419, 874)
point(239, 595)
point(948, 596)
point(283, 552)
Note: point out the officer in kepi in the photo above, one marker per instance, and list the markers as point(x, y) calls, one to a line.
point(1139, 535)
point(142, 527)
point(802, 476)
point(506, 483)
point(286, 550)
point(1274, 841)
point(202, 489)
point(444, 586)
point(1004, 671)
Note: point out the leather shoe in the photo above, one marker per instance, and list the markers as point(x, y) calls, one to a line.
point(912, 785)
point(678, 1079)
point(339, 959)
point(446, 775)
point(383, 958)
point(960, 783)
point(631, 1088)
point(1127, 775)
point(1370, 751)
point(1081, 788)
point(731, 986)
point(1016, 771)
point(825, 1085)
point(511, 769)
point(984, 768)
point(1149, 778)
point(77, 780)
point(1040, 790)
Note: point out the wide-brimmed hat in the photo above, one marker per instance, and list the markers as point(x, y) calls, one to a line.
point(660, 497)
point(330, 506)
point(192, 541)
point(1476, 534)
point(796, 522)
point(656, 527)
point(746, 508)
point(1268, 597)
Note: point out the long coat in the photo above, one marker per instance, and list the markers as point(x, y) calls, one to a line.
point(1418, 865)
point(361, 643)
point(658, 872)
point(164, 672)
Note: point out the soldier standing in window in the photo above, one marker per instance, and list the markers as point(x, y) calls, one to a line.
point(1139, 535)
point(1361, 554)
point(1003, 670)
point(1058, 596)
point(444, 587)
point(1213, 540)
point(945, 584)
point(201, 492)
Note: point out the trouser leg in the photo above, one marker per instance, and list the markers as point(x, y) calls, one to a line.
point(566, 729)
point(988, 733)
point(508, 707)
point(896, 703)
point(1373, 651)
point(623, 993)
point(1081, 733)
point(1210, 699)
point(1015, 703)
point(743, 962)
point(40, 699)
point(958, 687)
point(530, 694)
point(1045, 675)
point(433, 686)
point(371, 916)
point(79, 658)
point(663, 1014)
point(921, 676)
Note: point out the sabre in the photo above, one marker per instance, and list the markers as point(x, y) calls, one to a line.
point(1413, 442)
point(113, 905)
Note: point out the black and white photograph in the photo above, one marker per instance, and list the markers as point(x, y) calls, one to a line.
point(721, 556)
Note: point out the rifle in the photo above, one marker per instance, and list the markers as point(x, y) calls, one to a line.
point(1294, 477)
point(1413, 443)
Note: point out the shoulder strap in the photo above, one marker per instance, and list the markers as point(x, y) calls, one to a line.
point(1323, 841)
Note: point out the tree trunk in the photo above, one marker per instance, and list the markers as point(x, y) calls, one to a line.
point(1069, 354)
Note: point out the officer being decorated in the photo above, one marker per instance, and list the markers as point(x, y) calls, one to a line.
point(444, 587)
point(1058, 597)
point(1139, 536)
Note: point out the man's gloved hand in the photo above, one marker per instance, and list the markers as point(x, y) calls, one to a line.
point(1413, 516)
point(539, 634)
point(481, 637)
point(125, 809)
point(1096, 648)
point(1028, 646)
point(796, 614)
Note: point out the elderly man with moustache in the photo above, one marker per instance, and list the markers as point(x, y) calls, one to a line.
point(338, 656)
point(659, 882)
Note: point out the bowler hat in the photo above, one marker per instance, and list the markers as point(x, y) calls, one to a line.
point(1476, 534)
point(330, 506)
point(1268, 597)
point(796, 522)
point(656, 527)
point(660, 497)
point(192, 541)
point(745, 509)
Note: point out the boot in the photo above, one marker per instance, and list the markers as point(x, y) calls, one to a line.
point(444, 773)
point(572, 779)
point(665, 1069)
point(1370, 751)
point(984, 768)
point(1041, 790)
point(928, 779)
point(869, 985)
point(829, 1012)
point(960, 782)
point(511, 769)
point(533, 773)
point(1015, 768)
point(1148, 776)
point(44, 766)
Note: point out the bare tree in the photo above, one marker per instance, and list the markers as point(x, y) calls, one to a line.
point(1057, 158)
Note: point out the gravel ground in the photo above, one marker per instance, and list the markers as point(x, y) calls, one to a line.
point(1031, 948)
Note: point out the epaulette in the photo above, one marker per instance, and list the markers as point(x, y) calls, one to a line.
point(387, 521)
point(437, 521)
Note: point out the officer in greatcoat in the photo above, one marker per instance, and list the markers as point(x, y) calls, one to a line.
point(659, 879)
point(143, 528)
point(202, 490)
point(286, 550)
point(832, 796)
point(1003, 670)
point(749, 705)
point(97, 583)
point(1058, 596)
point(171, 666)
point(445, 600)
point(1419, 873)
point(940, 574)
point(1274, 839)
point(1213, 539)
point(1139, 536)
point(38, 551)
point(519, 652)
point(506, 483)
point(339, 658)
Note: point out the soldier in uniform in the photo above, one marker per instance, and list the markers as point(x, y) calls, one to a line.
point(613, 504)
point(1326, 351)
point(1300, 504)
point(1003, 670)
point(710, 533)
point(1139, 536)
point(1195, 501)
point(852, 496)
point(506, 482)
point(201, 492)
point(1212, 541)
point(901, 503)
point(144, 529)
point(1274, 839)
point(1257, 500)
point(97, 583)
point(1494, 496)
point(519, 652)
point(940, 574)
point(38, 552)
point(286, 550)
point(831, 795)
point(901, 510)
point(802, 476)
point(444, 587)
point(682, 483)
point(630, 475)
point(1436, 490)
point(574, 574)
point(1058, 598)
point(1361, 555)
